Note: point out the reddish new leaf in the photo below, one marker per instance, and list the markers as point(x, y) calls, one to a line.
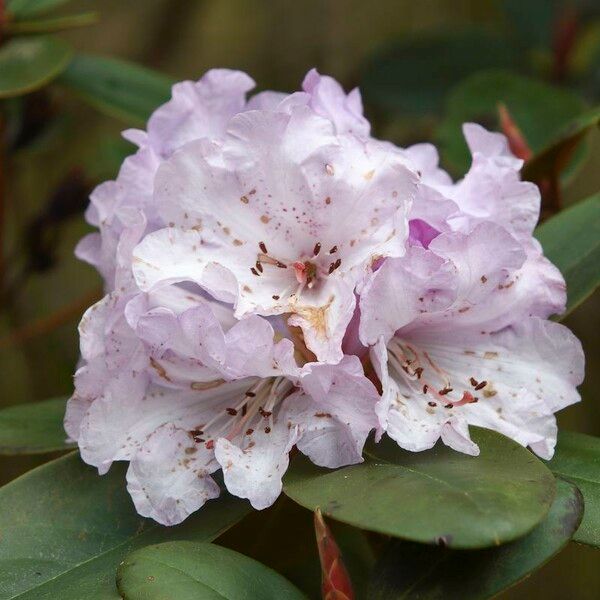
point(335, 584)
point(516, 140)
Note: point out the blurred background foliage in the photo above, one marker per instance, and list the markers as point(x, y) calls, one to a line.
point(424, 67)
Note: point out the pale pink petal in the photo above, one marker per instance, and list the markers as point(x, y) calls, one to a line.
point(254, 469)
point(169, 476)
point(199, 109)
point(335, 414)
point(328, 99)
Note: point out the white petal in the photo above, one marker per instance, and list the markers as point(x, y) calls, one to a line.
point(168, 478)
point(199, 109)
point(403, 288)
point(335, 414)
point(118, 423)
point(254, 471)
point(323, 315)
point(328, 99)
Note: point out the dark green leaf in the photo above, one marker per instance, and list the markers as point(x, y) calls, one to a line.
point(556, 155)
point(118, 88)
point(439, 496)
point(65, 529)
point(33, 428)
point(408, 570)
point(532, 20)
point(577, 458)
point(187, 571)
point(28, 63)
point(404, 79)
point(477, 98)
point(29, 8)
point(265, 535)
point(571, 240)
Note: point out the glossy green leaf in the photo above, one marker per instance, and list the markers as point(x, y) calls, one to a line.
point(65, 529)
point(571, 240)
point(33, 428)
point(403, 78)
point(28, 63)
point(439, 496)
point(30, 8)
point(556, 155)
point(577, 458)
point(120, 89)
point(477, 98)
point(187, 571)
point(407, 570)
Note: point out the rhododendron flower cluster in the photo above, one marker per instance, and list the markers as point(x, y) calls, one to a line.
point(277, 278)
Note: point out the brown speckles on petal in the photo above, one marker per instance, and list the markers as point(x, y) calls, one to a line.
point(329, 169)
point(369, 174)
point(245, 199)
point(265, 219)
point(159, 369)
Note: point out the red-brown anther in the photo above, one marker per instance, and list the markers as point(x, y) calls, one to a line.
point(275, 297)
point(254, 271)
point(331, 268)
point(481, 385)
point(473, 381)
point(445, 391)
point(281, 265)
point(262, 247)
point(335, 581)
point(432, 404)
point(259, 266)
point(448, 405)
point(264, 413)
point(250, 394)
point(419, 372)
point(267, 430)
point(317, 248)
point(333, 250)
point(249, 431)
point(244, 410)
point(231, 411)
point(425, 388)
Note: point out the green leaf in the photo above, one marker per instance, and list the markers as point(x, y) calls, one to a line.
point(477, 98)
point(439, 496)
point(571, 240)
point(30, 8)
point(407, 570)
point(118, 88)
point(556, 155)
point(577, 458)
point(187, 571)
point(65, 529)
point(33, 428)
point(265, 535)
point(28, 63)
point(403, 78)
